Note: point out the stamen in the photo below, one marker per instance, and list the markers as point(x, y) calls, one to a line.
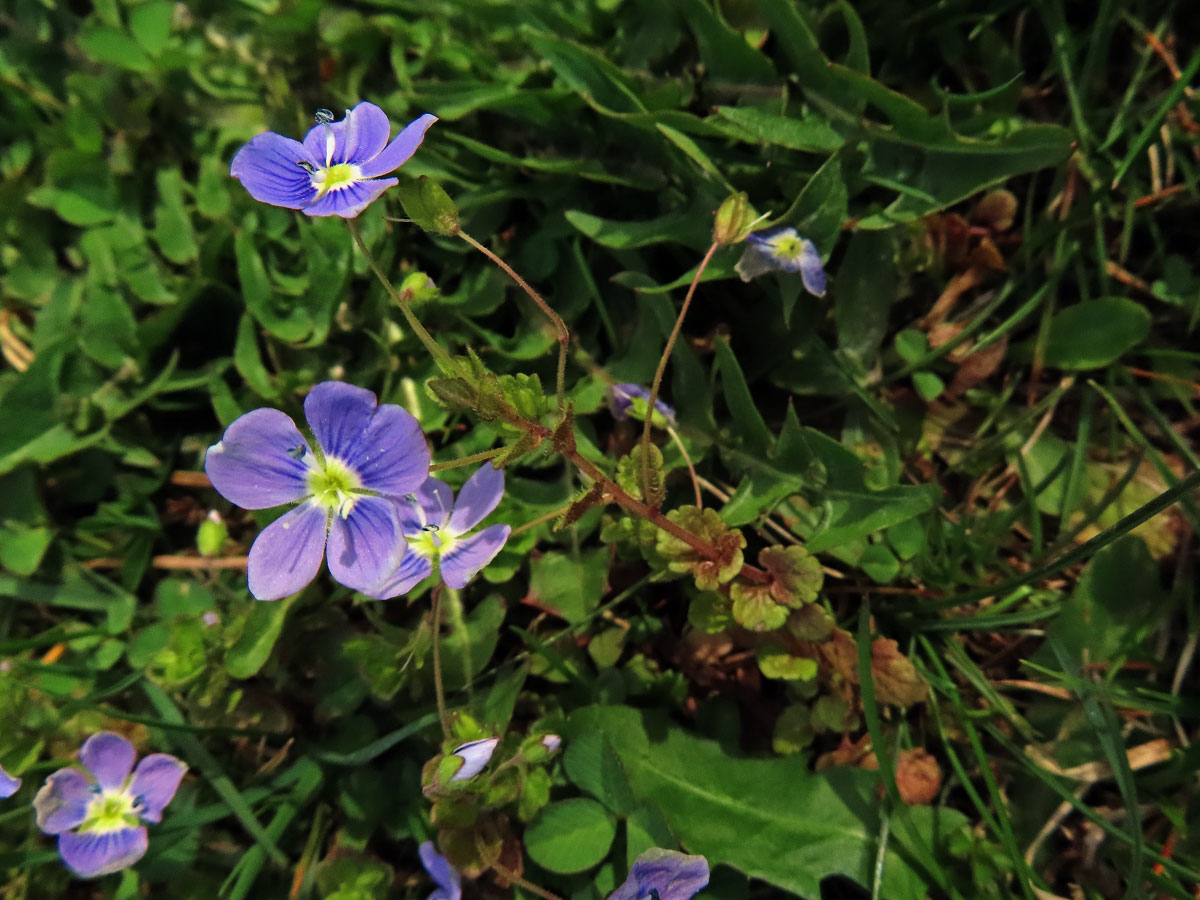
point(307, 166)
point(430, 528)
point(297, 452)
point(323, 116)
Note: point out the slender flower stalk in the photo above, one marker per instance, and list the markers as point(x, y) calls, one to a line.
point(445, 363)
point(541, 433)
point(564, 334)
point(439, 689)
point(666, 354)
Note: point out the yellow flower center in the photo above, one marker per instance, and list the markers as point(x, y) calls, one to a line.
point(334, 177)
point(787, 245)
point(432, 542)
point(334, 486)
point(110, 811)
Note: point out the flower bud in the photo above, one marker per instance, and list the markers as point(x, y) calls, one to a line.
point(429, 206)
point(211, 535)
point(475, 756)
point(734, 220)
point(551, 742)
point(419, 288)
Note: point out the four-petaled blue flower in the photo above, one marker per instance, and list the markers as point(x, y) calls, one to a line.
point(99, 814)
point(626, 397)
point(349, 484)
point(663, 875)
point(8, 784)
point(336, 170)
point(448, 881)
point(436, 526)
point(781, 249)
point(475, 756)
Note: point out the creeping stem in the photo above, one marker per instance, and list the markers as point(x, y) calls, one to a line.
point(662, 362)
point(564, 335)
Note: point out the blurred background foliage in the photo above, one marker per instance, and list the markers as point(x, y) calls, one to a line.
point(1005, 367)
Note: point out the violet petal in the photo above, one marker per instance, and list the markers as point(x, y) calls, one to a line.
point(109, 757)
point(478, 497)
point(92, 854)
point(287, 555)
point(8, 784)
point(413, 569)
point(350, 200)
point(401, 149)
point(271, 168)
point(469, 555)
point(811, 270)
point(154, 783)
point(62, 802)
point(365, 545)
point(432, 507)
point(367, 130)
point(672, 875)
point(444, 875)
point(260, 462)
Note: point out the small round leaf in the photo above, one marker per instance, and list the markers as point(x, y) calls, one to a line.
point(570, 836)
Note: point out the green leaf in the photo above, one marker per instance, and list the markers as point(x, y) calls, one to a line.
point(172, 226)
point(868, 284)
point(150, 24)
point(810, 134)
point(773, 819)
point(253, 646)
point(1093, 334)
point(113, 47)
point(751, 430)
point(569, 586)
point(570, 836)
point(285, 320)
point(593, 767)
point(821, 207)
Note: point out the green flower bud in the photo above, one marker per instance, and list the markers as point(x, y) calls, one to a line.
point(734, 220)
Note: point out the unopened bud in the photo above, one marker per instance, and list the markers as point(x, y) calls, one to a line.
point(734, 220)
point(211, 535)
point(429, 206)
point(419, 288)
point(475, 756)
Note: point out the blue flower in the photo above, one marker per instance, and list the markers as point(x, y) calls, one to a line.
point(348, 486)
point(8, 784)
point(436, 526)
point(449, 883)
point(336, 170)
point(475, 756)
point(625, 398)
point(663, 875)
point(98, 814)
point(781, 249)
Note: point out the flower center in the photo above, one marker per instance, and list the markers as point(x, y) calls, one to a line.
point(432, 542)
point(110, 811)
point(788, 245)
point(334, 486)
point(335, 177)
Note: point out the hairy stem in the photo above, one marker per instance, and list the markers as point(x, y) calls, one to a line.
point(466, 460)
point(564, 334)
point(666, 355)
point(436, 349)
